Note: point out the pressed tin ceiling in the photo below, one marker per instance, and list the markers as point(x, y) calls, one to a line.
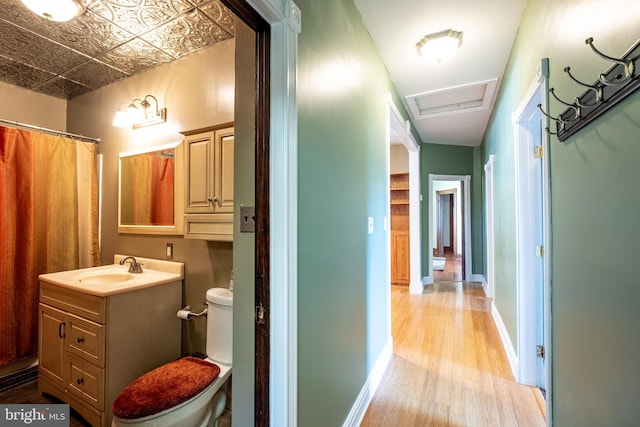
point(113, 39)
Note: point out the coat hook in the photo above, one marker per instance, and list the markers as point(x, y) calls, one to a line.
point(576, 109)
point(562, 122)
point(596, 89)
point(628, 66)
point(549, 131)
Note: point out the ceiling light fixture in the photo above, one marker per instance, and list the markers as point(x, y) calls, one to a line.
point(438, 47)
point(140, 113)
point(55, 10)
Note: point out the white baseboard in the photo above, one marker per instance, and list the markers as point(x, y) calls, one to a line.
point(416, 288)
point(506, 340)
point(427, 280)
point(361, 404)
point(477, 278)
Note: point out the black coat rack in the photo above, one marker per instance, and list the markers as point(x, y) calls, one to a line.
point(611, 87)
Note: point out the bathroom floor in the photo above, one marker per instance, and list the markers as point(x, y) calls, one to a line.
point(28, 393)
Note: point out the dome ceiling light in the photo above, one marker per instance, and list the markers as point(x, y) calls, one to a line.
point(55, 10)
point(438, 47)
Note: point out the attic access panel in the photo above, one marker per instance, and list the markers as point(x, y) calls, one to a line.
point(453, 100)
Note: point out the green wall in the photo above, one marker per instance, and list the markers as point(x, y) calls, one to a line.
point(440, 159)
point(343, 286)
point(594, 205)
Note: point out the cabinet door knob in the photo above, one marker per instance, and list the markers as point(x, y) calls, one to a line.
point(80, 381)
point(213, 199)
point(80, 340)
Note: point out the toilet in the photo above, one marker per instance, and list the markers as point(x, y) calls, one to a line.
point(188, 392)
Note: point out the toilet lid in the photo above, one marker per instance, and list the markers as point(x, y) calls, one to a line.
point(165, 387)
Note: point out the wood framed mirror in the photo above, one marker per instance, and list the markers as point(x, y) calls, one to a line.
point(150, 190)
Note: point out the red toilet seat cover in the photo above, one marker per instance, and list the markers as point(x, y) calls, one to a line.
point(165, 387)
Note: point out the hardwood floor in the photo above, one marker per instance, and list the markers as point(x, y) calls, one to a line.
point(448, 366)
point(452, 269)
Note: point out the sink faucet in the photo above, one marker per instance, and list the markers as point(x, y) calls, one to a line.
point(134, 266)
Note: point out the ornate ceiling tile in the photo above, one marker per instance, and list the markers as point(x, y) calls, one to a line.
point(31, 49)
point(220, 15)
point(134, 56)
point(111, 40)
point(94, 74)
point(19, 74)
point(88, 33)
point(198, 2)
point(139, 16)
point(62, 88)
point(186, 34)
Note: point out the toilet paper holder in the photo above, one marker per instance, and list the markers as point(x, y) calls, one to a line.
point(187, 314)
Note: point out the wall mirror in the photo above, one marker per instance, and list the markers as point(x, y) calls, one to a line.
point(150, 193)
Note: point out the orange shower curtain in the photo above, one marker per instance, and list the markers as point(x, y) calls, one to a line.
point(46, 225)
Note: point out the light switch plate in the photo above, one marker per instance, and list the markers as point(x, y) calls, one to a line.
point(247, 219)
point(370, 225)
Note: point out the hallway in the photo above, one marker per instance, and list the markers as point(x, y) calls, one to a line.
point(448, 366)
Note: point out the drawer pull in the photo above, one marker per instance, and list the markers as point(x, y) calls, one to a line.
point(61, 331)
point(80, 381)
point(80, 340)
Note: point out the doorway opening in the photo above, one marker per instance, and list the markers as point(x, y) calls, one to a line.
point(449, 228)
point(253, 121)
point(448, 249)
point(403, 170)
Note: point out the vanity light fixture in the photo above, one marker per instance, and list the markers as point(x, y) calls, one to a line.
point(55, 10)
point(140, 113)
point(438, 47)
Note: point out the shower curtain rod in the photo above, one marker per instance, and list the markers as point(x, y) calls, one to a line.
point(57, 132)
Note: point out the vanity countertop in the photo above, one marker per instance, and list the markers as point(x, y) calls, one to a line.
point(115, 279)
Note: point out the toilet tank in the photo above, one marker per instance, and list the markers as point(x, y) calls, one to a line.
point(220, 325)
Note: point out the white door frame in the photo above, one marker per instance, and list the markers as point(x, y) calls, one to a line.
point(490, 276)
point(533, 319)
point(285, 18)
point(467, 223)
point(401, 130)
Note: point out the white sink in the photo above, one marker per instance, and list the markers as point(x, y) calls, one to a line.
point(104, 277)
point(115, 278)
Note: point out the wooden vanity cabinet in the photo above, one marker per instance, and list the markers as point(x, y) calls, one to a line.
point(91, 347)
point(209, 157)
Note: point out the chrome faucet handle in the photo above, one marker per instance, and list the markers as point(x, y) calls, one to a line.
point(134, 266)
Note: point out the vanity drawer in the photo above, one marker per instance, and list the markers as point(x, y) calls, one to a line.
point(86, 340)
point(88, 306)
point(86, 382)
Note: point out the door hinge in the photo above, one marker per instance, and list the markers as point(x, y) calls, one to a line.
point(540, 351)
point(260, 312)
point(540, 251)
point(538, 151)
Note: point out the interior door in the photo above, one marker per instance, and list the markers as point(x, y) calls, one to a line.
point(530, 253)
